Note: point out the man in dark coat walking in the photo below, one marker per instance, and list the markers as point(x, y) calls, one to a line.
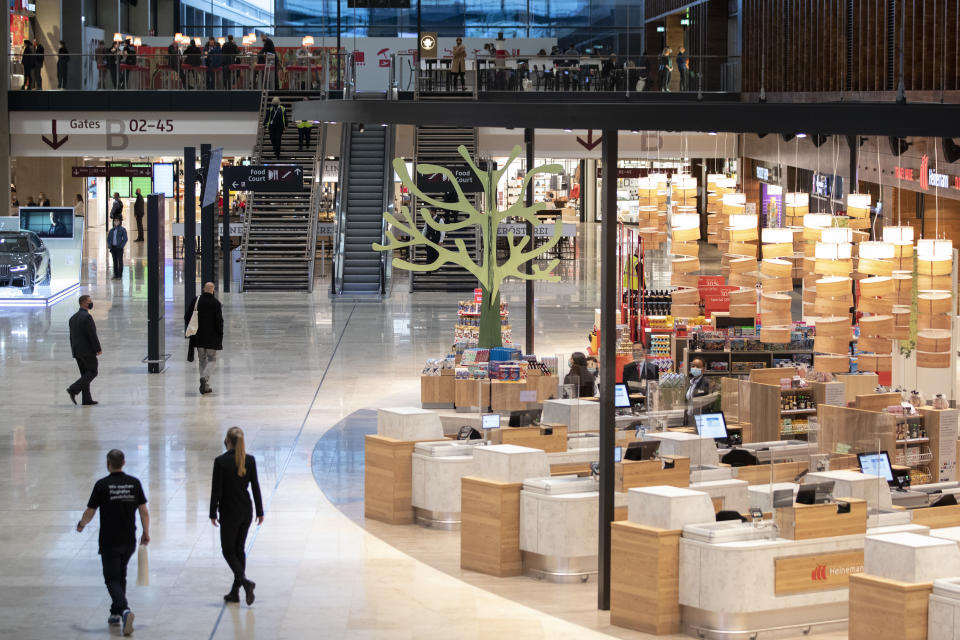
point(138, 211)
point(276, 123)
point(209, 336)
point(85, 347)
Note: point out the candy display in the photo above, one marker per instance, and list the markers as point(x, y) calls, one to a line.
point(467, 332)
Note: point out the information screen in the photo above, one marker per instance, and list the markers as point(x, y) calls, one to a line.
point(163, 179)
point(490, 421)
point(876, 464)
point(48, 222)
point(711, 425)
point(621, 399)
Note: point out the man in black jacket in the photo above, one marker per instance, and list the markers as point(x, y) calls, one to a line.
point(85, 347)
point(640, 371)
point(138, 211)
point(209, 336)
point(228, 55)
point(268, 48)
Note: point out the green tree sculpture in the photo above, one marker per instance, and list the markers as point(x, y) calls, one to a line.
point(488, 272)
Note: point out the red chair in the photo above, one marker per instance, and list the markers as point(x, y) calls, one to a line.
point(190, 73)
point(168, 76)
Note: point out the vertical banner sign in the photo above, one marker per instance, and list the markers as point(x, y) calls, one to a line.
point(948, 448)
point(213, 177)
point(208, 238)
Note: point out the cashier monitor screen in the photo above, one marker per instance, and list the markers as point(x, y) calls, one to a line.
point(621, 399)
point(490, 421)
point(876, 464)
point(711, 425)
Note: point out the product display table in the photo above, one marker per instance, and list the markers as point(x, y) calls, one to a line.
point(701, 451)
point(436, 482)
point(944, 610)
point(409, 424)
point(559, 526)
point(853, 484)
point(726, 495)
point(490, 507)
point(576, 415)
point(748, 586)
point(891, 599)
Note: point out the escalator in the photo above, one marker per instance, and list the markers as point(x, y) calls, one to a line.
point(365, 164)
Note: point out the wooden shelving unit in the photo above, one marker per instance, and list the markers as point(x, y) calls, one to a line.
point(765, 358)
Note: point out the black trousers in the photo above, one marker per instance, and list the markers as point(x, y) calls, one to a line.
point(227, 77)
point(117, 255)
point(303, 134)
point(276, 139)
point(139, 227)
point(88, 371)
point(114, 560)
point(233, 541)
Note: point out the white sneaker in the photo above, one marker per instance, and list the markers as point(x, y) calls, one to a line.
point(127, 622)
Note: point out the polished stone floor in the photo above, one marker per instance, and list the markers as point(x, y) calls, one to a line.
point(294, 366)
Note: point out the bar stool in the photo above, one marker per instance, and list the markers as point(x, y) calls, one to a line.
point(241, 76)
point(298, 77)
point(189, 74)
point(166, 75)
point(125, 73)
point(102, 75)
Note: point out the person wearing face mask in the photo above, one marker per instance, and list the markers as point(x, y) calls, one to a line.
point(593, 366)
point(580, 375)
point(699, 386)
point(85, 347)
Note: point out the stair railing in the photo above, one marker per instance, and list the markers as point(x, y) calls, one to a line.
point(340, 224)
point(386, 257)
point(257, 155)
point(316, 193)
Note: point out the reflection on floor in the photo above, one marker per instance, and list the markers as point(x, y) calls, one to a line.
point(293, 366)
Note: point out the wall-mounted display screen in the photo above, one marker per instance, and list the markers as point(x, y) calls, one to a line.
point(163, 179)
point(48, 222)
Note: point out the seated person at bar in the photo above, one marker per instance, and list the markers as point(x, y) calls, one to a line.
point(637, 373)
point(580, 375)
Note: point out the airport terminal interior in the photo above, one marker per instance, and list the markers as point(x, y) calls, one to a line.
point(534, 319)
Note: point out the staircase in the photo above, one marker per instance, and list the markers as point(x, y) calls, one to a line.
point(280, 229)
point(438, 145)
point(367, 180)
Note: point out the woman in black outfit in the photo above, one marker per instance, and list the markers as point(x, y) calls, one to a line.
point(580, 375)
point(232, 473)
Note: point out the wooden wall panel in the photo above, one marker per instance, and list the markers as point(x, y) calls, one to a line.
point(834, 45)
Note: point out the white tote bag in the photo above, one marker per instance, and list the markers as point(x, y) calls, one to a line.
point(194, 323)
point(143, 566)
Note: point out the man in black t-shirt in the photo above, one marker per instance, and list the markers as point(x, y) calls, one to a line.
point(119, 497)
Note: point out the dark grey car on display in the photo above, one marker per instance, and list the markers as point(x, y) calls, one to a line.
point(24, 260)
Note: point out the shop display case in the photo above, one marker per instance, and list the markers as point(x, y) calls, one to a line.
point(40, 256)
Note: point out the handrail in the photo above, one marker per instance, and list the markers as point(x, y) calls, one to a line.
point(256, 158)
point(316, 188)
point(340, 227)
point(386, 257)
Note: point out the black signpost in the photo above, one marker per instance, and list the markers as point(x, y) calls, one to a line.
point(156, 359)
point(272, 178)
point(189, 224)
point(208, 240)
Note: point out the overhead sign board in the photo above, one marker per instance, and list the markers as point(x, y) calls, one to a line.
point(433, 183)
point(112, 172)
point(274, 177)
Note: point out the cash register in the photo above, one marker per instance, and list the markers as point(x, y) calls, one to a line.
point(878, 464)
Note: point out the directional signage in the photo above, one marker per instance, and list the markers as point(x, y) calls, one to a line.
point(112, 172)
point(274, 177)
point(434, 183)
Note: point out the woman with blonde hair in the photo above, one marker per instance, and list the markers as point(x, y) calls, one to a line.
point(233, 472)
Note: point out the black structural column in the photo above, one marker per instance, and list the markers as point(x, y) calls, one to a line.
point(156, 249)
point(528, 200)
point(189, 224)
point(208, 239)
point(225, 242)
point(854, 143)
point(608, 356)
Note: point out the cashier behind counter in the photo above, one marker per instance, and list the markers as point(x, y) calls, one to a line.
point(637, 373)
